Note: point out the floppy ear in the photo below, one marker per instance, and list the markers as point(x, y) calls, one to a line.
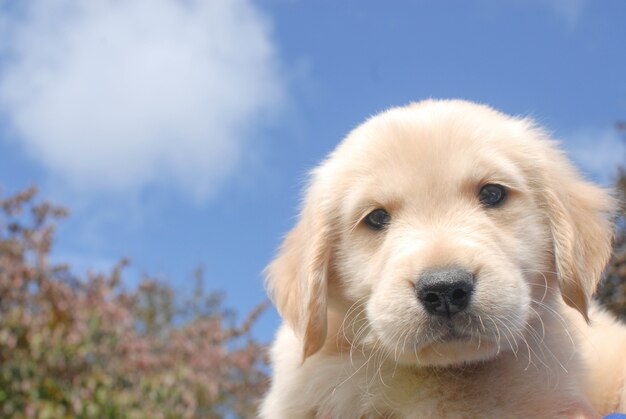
point(297, 279)
point(580, 216)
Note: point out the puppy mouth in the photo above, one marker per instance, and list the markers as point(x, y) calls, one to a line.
point(464, 328)
point(449, 333)
point(453, 335)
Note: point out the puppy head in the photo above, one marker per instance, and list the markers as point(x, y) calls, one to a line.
point(440, 227)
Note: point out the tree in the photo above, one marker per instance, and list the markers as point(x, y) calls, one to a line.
point(87, 347)
point(612, 291)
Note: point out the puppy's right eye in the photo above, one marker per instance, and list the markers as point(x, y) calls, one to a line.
point(377, 219)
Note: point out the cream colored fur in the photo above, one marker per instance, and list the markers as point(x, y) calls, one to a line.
point(357, 343)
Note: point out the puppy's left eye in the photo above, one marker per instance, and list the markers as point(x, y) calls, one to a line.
point(491, 195)
point(377, 219)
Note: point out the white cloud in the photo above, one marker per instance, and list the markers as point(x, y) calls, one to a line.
point(599, 152)
point(121, 94)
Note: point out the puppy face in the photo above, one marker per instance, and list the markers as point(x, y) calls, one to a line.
point(440, 229)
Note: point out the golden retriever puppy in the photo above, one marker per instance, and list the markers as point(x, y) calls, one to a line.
point(431, 274)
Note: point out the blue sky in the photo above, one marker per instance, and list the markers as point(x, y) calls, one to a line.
point(180, 132)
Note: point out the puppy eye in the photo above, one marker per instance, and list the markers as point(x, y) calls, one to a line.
point(377, 219)
point(491, 195)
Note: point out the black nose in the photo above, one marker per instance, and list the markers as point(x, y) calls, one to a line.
point(445, 291)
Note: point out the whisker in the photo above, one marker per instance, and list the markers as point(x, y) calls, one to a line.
point(364, 364)
point(514, 350)
point(497, 331)
point(560, 318)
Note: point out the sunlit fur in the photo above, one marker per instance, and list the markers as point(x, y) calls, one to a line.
point(357, 343)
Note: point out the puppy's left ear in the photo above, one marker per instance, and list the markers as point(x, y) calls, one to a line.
point(581, 223)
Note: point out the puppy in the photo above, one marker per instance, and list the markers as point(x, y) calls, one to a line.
point(442, 267)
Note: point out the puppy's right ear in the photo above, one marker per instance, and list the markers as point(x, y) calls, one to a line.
point(297, 279)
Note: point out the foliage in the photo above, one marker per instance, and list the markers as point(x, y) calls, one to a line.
point(612, 292)
point(87, 347)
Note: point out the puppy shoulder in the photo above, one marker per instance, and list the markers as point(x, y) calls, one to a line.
point(602, 349)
